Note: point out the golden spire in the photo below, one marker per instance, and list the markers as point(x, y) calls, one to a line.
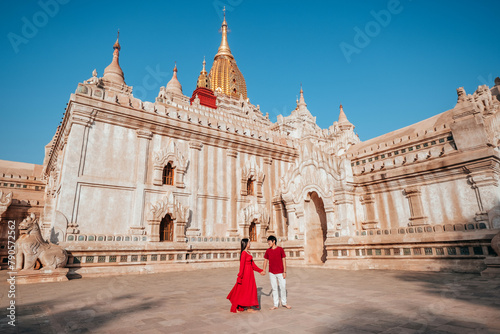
point(203, 78)
point(224, 76)
point(224, 46)
point(114, 72)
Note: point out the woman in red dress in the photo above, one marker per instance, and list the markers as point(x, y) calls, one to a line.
point(244, 293)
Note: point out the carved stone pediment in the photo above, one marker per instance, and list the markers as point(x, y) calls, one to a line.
point(253, 172)
point(168, 205)
point(173, 155)
point(253, 212)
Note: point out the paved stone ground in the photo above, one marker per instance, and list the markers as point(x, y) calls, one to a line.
point(323, 301)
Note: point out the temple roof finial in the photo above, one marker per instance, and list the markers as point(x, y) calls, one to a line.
point(203, 77)
point(114, 72)
point(344, 123)
point(224, 46)
point(174, 86)
point(302, 102)
point(117, 43)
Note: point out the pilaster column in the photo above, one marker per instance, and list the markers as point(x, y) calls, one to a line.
point(344, 211)
point(330, 221)
point(154, 230)
point(143, 138)
point(416, 210)
point(267, 192)
point(370, 222)
point(195, 148)
point(72, 167)
point(233, 230)
point(485, 186)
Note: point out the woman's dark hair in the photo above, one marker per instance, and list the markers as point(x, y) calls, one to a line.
point(244, 243)
point(272, 238)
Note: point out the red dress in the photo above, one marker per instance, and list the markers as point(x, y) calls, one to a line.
point(244, 292)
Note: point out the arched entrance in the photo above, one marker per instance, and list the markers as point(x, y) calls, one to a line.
point(315, 229)
point(167, 229)
point(252, 231)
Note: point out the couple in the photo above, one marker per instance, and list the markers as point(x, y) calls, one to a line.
point(244, 293)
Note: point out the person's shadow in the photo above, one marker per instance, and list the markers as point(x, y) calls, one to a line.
point(260, 293)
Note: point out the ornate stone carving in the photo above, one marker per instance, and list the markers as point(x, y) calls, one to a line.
point(31, 247)
point(168, 205)
point(253, 172)
point(94, 80)
point(5, 200)
point(481, 215)
point(179, 214)
point(254, 213)
point(462, 96)
point(177, 160)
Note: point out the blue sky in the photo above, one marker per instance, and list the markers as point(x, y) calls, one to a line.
point(390, 63)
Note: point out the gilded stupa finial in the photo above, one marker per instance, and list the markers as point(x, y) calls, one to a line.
point(224, 76)
point(224, 46)
point(203, 78)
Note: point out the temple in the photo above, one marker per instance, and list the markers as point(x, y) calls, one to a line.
point(137, 186)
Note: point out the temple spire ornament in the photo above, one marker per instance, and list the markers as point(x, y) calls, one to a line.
point(225, 77)
point(344, 123)
point(224, 45)
point(203, 78)
point(302, 103)
point(174, 86)
point(113, 72)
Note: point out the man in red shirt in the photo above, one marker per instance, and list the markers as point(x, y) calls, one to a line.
point(277, 271)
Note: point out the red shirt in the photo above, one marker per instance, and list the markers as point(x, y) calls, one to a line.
point(275, 258)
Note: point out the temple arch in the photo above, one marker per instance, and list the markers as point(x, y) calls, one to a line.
point(315, 229)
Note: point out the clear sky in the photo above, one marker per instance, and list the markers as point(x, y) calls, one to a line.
point(390, 63)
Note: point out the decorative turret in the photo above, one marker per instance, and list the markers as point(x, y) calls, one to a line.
point(344, 124)
point(202, 94)
point(174, 86)
point(203, 78)
point(113, 73)
point(224, 76)
point(301, 104)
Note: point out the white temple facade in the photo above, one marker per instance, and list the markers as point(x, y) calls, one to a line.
point(132, 185)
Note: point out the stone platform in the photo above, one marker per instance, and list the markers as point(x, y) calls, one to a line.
point(323, 301)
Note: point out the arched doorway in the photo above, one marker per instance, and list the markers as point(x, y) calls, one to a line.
point(252, 231)
point(167, 229)
point(315, 229)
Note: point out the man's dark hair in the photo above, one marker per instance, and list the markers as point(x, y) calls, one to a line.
point(272, 238)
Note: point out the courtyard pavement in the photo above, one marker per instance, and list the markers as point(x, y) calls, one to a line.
point(322, 300)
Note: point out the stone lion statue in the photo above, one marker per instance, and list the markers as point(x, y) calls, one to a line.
point(31, 247)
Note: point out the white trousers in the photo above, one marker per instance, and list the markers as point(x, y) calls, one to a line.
point(275, 278)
